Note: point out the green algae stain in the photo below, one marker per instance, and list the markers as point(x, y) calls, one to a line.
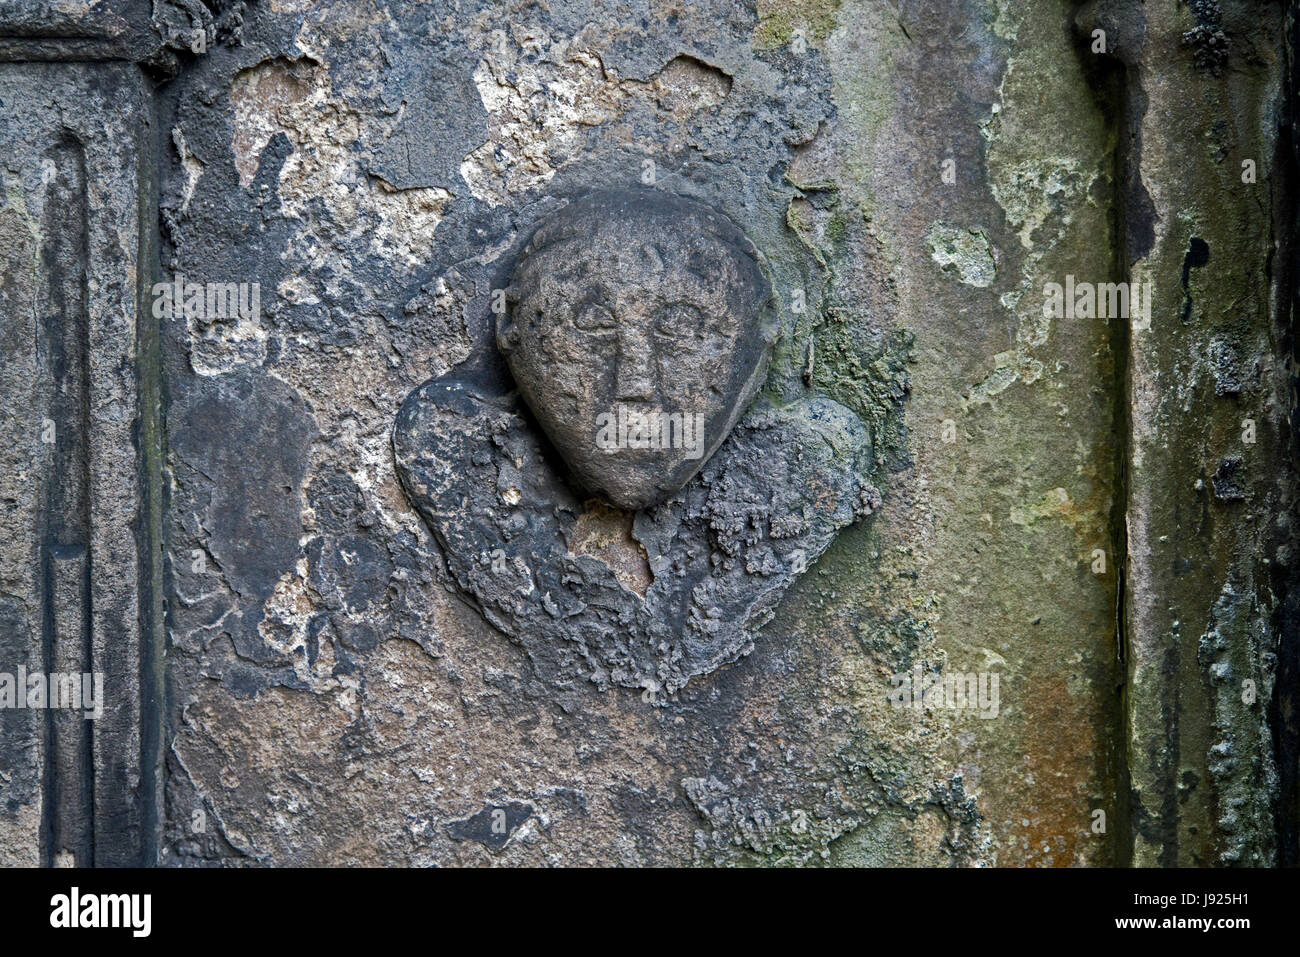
point(780, 20)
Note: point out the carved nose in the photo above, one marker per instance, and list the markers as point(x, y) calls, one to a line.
point(634, 363)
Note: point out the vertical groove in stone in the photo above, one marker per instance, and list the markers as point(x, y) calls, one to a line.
point(64, 349)
point(1284, 715)
point(149, 535)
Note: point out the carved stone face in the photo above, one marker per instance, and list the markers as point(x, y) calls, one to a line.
point(636, 338)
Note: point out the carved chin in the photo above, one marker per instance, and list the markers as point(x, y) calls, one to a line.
point(627, 478)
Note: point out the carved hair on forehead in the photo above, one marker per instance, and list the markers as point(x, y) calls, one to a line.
point(665, 227)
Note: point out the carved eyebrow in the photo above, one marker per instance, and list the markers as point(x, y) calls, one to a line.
point(586, 307)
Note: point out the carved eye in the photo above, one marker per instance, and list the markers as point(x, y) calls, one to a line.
point(592, 316)
point(680, 321)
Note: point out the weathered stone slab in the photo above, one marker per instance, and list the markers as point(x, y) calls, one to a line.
point(421, 651)
point(77, 248)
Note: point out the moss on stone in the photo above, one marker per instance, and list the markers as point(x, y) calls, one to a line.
point(779, 19)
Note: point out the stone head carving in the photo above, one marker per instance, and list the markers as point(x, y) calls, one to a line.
point(637, 334)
